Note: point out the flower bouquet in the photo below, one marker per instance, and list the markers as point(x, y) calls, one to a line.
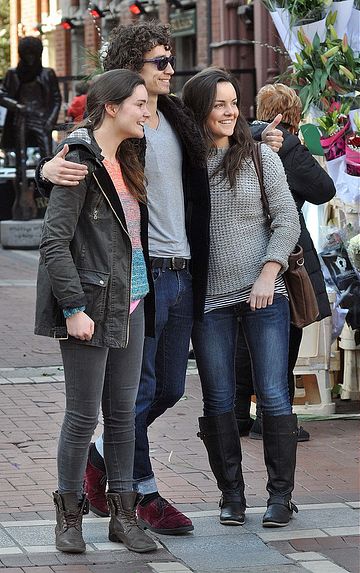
point(352, 149)
point(323, 71)
point(353, 28)
point(343, 9)
point(289, 15)
point(334, 125)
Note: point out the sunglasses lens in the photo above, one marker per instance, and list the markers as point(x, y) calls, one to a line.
point(162, 63)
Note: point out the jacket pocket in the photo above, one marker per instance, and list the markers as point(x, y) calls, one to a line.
point(94, 285)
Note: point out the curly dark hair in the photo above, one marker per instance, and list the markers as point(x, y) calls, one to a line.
point(128, 44)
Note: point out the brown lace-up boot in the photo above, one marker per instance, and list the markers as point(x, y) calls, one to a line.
point(123, 527)
point(69, 515)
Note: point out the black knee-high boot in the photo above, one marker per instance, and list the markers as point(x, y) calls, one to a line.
point(280, 442)
point(221, 438)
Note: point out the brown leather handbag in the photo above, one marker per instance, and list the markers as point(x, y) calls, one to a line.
point(304, 309)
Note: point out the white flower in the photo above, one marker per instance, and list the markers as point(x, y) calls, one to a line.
point(354, 245)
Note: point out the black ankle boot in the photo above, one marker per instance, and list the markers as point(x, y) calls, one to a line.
point(232, 512)
point(221, 438)
point(280, 442)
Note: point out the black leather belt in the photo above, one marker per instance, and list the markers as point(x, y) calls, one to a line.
point(172, 263)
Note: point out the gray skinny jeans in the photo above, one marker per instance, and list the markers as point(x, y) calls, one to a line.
point(108, 376)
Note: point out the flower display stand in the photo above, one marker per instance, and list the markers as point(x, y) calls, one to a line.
point(314, 370)
point(351, 378)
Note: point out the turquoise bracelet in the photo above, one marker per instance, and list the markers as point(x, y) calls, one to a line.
point(71, 311)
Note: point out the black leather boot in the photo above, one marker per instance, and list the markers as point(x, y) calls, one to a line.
point(69, 515)
point(280, 442)
point(123, 527)
point(221, 438)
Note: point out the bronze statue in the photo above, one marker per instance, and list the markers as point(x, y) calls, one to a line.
point(36, 92)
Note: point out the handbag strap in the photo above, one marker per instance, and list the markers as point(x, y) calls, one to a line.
point(257, 160)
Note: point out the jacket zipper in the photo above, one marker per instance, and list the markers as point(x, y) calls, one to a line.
point(125, 231)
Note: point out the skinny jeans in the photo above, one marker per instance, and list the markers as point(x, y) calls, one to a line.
point(266, 331)
point(108, 377)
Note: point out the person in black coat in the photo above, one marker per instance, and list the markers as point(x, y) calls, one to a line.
point(308, 181)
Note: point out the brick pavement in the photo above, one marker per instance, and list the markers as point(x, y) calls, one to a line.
point(19, 347)
point(31, 407)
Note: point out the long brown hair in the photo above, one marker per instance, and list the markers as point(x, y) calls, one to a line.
point(199, 95)
point(116, 86)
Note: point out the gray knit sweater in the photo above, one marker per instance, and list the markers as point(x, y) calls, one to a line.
point(240, 238)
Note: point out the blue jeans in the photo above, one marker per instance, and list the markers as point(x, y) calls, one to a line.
point(164, 364)
point(266, 331)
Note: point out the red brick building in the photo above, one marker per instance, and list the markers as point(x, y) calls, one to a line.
point(229, 33)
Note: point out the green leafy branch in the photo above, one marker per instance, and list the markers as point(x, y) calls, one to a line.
point(323, 71)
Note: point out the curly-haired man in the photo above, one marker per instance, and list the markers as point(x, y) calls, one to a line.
point(179, 213)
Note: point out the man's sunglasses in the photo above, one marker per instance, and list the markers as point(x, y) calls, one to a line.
point(162, 62)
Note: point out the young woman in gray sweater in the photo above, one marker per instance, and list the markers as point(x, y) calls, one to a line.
point(248, 256)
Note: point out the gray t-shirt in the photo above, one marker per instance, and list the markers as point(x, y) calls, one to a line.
point(163, 171)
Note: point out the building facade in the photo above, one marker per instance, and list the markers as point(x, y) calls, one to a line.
point(227, 33)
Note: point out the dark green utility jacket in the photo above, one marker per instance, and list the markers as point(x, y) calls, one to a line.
point(86, 254)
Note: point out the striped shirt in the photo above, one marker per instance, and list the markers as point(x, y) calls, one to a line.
point(139, 282)
point(232, 298)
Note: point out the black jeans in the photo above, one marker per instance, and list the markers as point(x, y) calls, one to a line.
point(108, 376)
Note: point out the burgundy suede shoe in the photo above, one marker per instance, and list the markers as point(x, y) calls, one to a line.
point(160, 516)
point(94, 487)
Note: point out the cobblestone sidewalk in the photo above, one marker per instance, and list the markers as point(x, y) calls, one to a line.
point(323, 538)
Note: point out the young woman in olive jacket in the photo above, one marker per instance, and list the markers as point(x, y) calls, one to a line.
point(93, 277)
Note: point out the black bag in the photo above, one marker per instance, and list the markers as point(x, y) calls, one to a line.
point(304, 309)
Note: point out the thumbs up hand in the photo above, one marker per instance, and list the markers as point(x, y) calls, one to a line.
point(272, 136)
point(62, 172)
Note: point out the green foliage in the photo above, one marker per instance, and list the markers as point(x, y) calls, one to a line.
point(300, 10)
point(4, 37)
point(323, 71)
point(94, 65)
point(334, 119)
point(306, 10)
point(271, 4)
